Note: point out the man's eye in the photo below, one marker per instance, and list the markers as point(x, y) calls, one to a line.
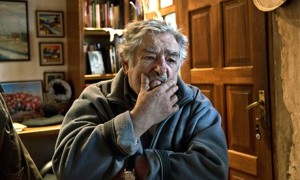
point(171, 61)
point(149, 58)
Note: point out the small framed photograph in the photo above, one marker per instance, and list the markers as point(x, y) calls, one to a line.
point(49, 76)
point(51, 53)
point(14, 33)
point(170, 19)
point(23, 98)
point(50, 23)
point(165, 3)
point(96, 62)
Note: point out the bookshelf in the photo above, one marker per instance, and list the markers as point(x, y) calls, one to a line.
point(77, 35)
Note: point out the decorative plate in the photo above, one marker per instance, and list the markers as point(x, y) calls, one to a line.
point(60, 90)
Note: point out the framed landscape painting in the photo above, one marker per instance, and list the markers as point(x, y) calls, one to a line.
point(51, 53)
point(50, 23)
point(23, 98)
point(14, 37)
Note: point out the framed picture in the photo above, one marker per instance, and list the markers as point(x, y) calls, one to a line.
point(96, 62)
point(170, 19)
point(23, 99)
point(165, 3)
point(14, 36)
point(49, 76)
point(51, 53)
point(50, 23)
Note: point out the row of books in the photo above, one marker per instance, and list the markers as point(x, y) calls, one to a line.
point(110, 13)
point(104, 13)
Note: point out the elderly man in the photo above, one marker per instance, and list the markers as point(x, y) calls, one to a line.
point(145, 123)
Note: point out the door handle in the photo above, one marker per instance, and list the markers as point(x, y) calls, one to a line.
point(260, 120)
point(254, 104)
point(260, 102)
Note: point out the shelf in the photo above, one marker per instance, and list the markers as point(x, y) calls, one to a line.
point(91, 77)
point(103, 32)
point(41, 130)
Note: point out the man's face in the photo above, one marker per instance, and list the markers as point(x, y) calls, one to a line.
point(157, 57)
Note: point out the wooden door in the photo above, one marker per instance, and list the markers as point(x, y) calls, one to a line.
point(228, 61)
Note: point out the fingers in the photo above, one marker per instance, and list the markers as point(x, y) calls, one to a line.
point(168, 87)
point(144, 83)
point(172, 88)
point(173, 99)
point(166, 90)
point(154, 84)
point(175, 108)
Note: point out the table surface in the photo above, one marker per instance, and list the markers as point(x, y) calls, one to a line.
point(42, 129)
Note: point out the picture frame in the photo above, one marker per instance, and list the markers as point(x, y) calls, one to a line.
point(49, 76)
point(14, 34)
point(96, 62)
point(165, 3)
point(50, 23)
point(170, 19)
point(23, 98)
point(51, 53)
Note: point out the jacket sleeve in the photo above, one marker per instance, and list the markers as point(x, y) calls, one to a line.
point(199, 152)
point(92, 143)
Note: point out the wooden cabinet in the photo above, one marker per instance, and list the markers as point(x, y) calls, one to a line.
point(40, 142)
point(76, 34)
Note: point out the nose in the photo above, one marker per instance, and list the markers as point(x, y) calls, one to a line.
point(160, 65)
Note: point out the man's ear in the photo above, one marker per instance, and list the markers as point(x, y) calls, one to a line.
point(125, 66)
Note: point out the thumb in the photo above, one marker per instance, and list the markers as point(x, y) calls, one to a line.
point(145, 82)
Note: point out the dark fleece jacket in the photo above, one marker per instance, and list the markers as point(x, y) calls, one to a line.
point(97, 136)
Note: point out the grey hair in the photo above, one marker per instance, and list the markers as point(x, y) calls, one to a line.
point(136, 31)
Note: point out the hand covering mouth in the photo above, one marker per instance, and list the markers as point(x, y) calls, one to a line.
point(157, 80)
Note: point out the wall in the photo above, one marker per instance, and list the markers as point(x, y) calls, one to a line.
point(31, 70)
point(286, 47)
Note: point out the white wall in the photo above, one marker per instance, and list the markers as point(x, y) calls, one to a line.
point(31, 70)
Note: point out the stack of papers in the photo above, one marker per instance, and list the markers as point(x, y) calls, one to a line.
point(18, 126)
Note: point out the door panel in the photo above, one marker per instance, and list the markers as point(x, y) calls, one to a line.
point(207, 90)
point(227, 60)
point(201, 52)
point(240, 137)
point(235, 32)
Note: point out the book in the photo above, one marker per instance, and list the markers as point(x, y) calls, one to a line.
point(106, 58)
point(116, 15)
point(98, 15)
point(112, 56)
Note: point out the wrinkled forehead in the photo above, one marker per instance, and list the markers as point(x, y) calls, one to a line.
point(159, 43)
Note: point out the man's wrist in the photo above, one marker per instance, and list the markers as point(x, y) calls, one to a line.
point(138, 128)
